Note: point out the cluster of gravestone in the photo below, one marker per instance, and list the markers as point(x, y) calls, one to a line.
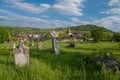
point(21, 52)
point(109, 63)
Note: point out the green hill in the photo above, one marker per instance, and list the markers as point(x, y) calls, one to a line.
point(16, 30)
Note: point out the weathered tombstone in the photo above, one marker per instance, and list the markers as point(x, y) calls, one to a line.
point(41, 37)
point(40, 46)
point(55, 44)
point(21, 54)
point(31, 40)
point(110, 64)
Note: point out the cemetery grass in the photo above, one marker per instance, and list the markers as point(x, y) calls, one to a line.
point(71, 64)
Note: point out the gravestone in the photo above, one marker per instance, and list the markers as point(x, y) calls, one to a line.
point(40, 46)
point(31, 38)
point(55, 44)
point(110, 64)
point(21, 54)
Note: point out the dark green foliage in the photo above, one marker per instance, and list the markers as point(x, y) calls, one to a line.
point(97, 33)
point(4, 35)
point(116, 37)
point(107, 36)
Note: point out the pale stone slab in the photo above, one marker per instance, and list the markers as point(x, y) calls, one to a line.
point(21, 54)
point(21, 59)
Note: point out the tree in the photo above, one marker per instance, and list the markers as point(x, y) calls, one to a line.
point(97, 33)
point(4, 35)
point(116, 37)
point(87, 35)
point(63, 35)
point(107, 36)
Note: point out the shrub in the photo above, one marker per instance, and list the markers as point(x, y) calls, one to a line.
point(116, 37)
point(4, 35)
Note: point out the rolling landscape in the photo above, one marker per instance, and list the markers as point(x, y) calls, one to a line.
point(59, 40)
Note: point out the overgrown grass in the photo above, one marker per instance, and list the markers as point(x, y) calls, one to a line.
point(72, 64)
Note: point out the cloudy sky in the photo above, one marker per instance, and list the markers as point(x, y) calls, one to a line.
point(60, 13)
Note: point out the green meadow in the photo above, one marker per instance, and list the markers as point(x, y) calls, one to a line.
point(71, 64)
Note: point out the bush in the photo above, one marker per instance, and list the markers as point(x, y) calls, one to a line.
point(116, 37)
point(4, 35)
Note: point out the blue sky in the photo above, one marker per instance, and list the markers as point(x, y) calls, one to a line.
point(60, 13)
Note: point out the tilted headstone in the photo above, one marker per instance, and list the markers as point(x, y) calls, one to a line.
point(55, 44)
point(21, 54)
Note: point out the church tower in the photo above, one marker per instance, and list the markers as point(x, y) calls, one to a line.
point(69, 32)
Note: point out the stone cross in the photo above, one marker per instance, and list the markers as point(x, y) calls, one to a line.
point(55, 44)
point(21, 54)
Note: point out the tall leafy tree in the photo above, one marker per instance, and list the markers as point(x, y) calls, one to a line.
point(63, 35)
point(4, 35)
point(97, 33)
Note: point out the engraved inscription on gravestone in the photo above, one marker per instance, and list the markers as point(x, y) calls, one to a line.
point(21, 54)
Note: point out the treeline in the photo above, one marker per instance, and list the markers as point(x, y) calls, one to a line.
point(90, 31)
point(16, 30)
point(100, 34)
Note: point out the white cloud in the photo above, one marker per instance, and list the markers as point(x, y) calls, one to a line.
point(66, 7)
point(13, 19)
point(4, 18)
point(75, 19)
point(45, 16)
point(78, 21)
point(114, 3)
point(110, 22)
point(29, 7)
point(69, 7)
point(113, 11)
point(63, 23)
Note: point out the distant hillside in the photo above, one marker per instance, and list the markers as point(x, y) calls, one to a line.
point(88, 27)
point(17, 30)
